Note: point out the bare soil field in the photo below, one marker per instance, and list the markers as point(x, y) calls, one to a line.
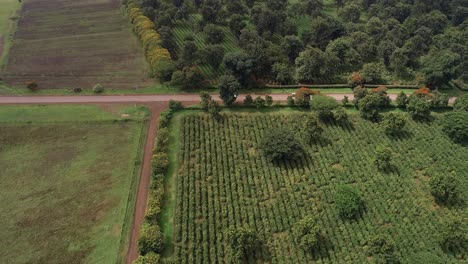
point(75, 44)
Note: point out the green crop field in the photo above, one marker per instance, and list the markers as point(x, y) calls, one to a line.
point(223, 180)
point(68, 177)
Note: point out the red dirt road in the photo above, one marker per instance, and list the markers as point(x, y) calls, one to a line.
point(157, 103)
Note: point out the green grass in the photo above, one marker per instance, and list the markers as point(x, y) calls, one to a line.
point(223, 180)
point(7, 25)
point(68, 184)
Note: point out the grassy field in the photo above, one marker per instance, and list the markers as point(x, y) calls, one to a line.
point(223, 180)
point(68, 178)
point(75, 44)
point(7, 12)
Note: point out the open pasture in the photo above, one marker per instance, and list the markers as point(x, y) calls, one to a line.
point(75, 44)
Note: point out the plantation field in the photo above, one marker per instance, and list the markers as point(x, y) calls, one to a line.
point(68, 176)
point(75, 44)
point(223, 180)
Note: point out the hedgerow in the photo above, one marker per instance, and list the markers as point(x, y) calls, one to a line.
point(224, 180)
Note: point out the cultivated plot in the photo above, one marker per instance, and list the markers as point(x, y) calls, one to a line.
point(75, 44)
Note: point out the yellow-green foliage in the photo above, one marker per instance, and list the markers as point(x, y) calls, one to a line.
point(145, 29)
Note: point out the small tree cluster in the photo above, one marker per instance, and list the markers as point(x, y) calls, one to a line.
point(280, 143)
point(402, 100)
point(324, 105)
point(455, 125)
point(307, 233)
point(394, 123)
point(383, 158)
point(205, 99)
point(242, 241)
point(151, 239)
point(348, 202)
point(312, 128)
point(419, 107)
point(453, 234)
point(98, 88)
point(446, 188)
point(175, 105)
point(461, 103)
point(228, 89)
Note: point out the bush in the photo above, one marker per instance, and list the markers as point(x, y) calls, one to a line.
point(455, 125)
point(393, 123)
point(32, 86)
point(439, 100)
point(359, 93)
point(228, 89)
point(214, 109)
point(402, 100)
point(175, 105)
point(205, 99)
point(345, 101)
point(291, 101)
point(312, 128)
point(153, 207)
point(98, 88)
point(382, 247)
point(446, 188)
point(418, 107)
point(162, 139)
point(324, 105)
point(248, 101)
point(348, 202)
point(383, 158)
point(150, 258)
point(151, 239)
point(369, 107)
point(461, 103)
point(242, 241)
point(160, 162)
point(259, 102)
point(454, 235)
point(341, 117)
point(307, 233)
point(279, 143)
point(268, 100)
point(77, 90)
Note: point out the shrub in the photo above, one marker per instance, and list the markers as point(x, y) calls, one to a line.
point(162, 139)
point(454, 235)
point(291, 102)
point(77, 90)
point(307, 233)
point(348, 202)
point(359, 93)
point(393, 123)
point(382, 247)
point(214, 109)
point(418, 107)
point(153, 207)
point(446, 188)
point(259, 102)
point(175, 105)
point(160, 162)
point(32, 86)
point(383, 157)
point(461, 103)
point(312, 128)
point(402, 100)
point(98, 88)
point(279, 143)
point(150, 258)
point(369, 107)
point(355, 79)
point(205, 99)
point(423, 92)
point(345, 101)
point(341, 117)
point(455, 125)
point(439, 100)
point(242, 241)
point(151, 239)
point(268, 100)
point(303, 96)
point(228, 89)
point(324, 105)
point(248, 101)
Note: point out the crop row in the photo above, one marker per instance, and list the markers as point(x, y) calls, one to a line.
point(225, 181)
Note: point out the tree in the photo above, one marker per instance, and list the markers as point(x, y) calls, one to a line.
point(341, 117)
point(175, 105)
point(359, 93)
point(189, 52)
point(402, 100)
point(369, 106)
point(164, 70)
point(282, 73)
point(248, 101)
point(441, 67)
point(268, 100)
point(214, 109)
point(307, 233)
point(312, 128)
point(259, 102)
point(348, 201)
point(323, 30)
point(213, 55)
point(213, 34)
point(236, 24)
point(205, 99)
point(372, 73)
point(350, 13)
point(292, 45)
point(324, 105)
point(151, 239)
point(383, 248)
point(418, 107)
point(454, 235)
point(314, 66)
point(280, 143)
point(241, 241)
point(228, 89)
point(383, 158)
point(188, 78)
point(446, 188)
point(239, 64)
point(345, 101)
point(312, 7)
point(291, 102)
point(461, 103)
point(150, 258)
point(439, 100)
point(393, 123)
point(98, 88)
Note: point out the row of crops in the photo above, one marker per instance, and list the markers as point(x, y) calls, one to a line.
point(224, 181)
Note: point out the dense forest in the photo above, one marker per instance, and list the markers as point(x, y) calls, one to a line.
point(421, 42)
